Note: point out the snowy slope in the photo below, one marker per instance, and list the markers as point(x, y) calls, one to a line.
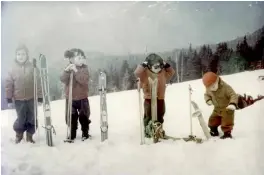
point(123, 155)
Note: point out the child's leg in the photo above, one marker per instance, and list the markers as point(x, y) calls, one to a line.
point(147, 111)
point(74, 119)
point(84, 115)
point(227, 122)
point(214, 122)
point(19, 125)
point(161, 110)
point(147, 115)
point(30, 117)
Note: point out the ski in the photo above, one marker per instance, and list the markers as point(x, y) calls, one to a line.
point(198, 114)
point(46, 99)
point(186, 139)
point(153, 82)
point(69, 111)
point(141, 117)
point(35, 95)
point(103, 107)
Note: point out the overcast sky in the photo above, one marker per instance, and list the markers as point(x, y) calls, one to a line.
point(122, 27)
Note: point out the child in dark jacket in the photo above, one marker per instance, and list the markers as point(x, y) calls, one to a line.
point(80, 102)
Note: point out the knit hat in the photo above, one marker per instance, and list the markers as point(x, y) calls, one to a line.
point(22, 47)
point(209, 78)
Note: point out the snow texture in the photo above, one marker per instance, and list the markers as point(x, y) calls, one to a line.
point(122, 154)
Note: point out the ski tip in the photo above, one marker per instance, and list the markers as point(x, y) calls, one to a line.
point(68, 141)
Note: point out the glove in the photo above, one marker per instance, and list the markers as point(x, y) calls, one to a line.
point(209, 102)
point(144, 64)
point(68, 68)
point(166, 65)
point(231, 107)
point(71, 67)
point(10, 105)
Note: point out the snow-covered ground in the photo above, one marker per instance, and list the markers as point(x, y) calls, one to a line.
point(123, 155)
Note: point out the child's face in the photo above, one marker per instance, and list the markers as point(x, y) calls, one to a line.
point(156, 68)
point(21, 56)
point(214, 86)
point(78, 60)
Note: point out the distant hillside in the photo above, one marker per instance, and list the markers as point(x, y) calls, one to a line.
point(251, 39)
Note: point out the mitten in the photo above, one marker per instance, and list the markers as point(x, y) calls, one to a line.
point(69, 67)
point(144, 64)
point(231, 107)
point(209, 102)
point(166, 65)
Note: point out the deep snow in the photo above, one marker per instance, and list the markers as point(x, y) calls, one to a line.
point(123, 155)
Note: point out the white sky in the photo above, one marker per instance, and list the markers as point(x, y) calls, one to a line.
point(121, 27)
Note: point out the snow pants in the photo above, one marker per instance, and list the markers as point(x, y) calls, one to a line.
point(25, 116)
point(160, 111)
point(81, 111)
point(225, 118)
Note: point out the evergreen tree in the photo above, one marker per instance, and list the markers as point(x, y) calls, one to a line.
point(245, 51)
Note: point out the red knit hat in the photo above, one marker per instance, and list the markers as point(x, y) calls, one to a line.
point(209, 78)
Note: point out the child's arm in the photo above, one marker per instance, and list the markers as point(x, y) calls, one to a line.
point(169, 71)
point(232, 95)
point(9, 87)
point(82, 76)
point(140, 71)
point(65, 77)
point(207, 97)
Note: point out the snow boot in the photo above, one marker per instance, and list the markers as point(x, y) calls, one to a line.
point(226, 135)
point(19, 137)
point(73, 135)
point(29, 138)
point(85, 135)
point(214, 132)
point(159, 131)
point(148, 130)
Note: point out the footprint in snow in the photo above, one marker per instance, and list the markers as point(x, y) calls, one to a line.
point(34, 170)
point(23, 166)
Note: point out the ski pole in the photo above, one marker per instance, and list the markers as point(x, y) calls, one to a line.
point(190, 93)
point(140, 113)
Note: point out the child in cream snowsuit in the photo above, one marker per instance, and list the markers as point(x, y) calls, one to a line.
point(225, 101)
point(20, 92)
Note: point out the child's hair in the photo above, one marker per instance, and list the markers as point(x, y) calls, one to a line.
point(71, 53)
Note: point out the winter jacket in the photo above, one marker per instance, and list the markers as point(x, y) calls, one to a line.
point(20, 82)
point(79, 83)
point(163, 76)
point(221, 98)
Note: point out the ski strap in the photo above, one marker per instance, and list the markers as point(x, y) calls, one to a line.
point(50, 128)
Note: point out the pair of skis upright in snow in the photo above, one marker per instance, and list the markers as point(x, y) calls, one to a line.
point(46, 98)
point(157, 131)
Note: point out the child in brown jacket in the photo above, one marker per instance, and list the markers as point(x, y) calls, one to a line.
point(20, 93)
point(154, 64)
point(225, 101)
point(80, 102)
